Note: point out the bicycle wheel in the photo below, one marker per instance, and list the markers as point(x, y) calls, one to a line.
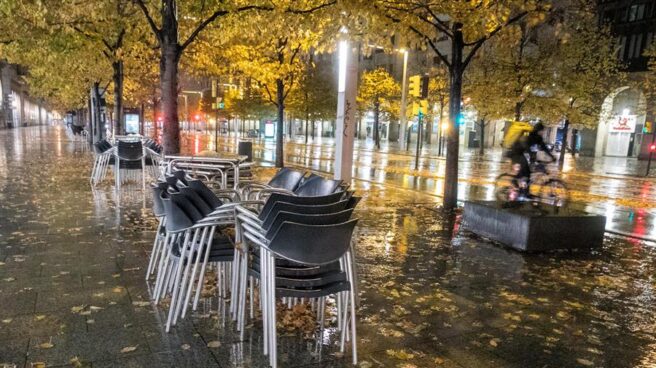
point(554, 192)
point(505, 188)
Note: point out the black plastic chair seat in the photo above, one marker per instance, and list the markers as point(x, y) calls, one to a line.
point(313, 201)
point(317, 292)
point(221, 245)
point(130, 165)
point(315, 279)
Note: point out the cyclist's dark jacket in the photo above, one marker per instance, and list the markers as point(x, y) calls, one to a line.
point(523, 145)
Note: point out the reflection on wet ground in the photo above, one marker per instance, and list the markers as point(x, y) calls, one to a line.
point(608, 186)
point(72, 290)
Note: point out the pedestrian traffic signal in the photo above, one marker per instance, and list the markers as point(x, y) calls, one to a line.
point(414, 86)
point(420, 108)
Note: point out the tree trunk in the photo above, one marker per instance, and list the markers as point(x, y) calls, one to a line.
point(307, 114)
point(307, 127)
point(518, 110)
point(117, 68)
point(142, 123)
point(429, 131)
point(376, 123)
point(456, 70)
point(155, 118)
point(280, 98)
point(169, 65)
point(481, 147)
point(563, 147)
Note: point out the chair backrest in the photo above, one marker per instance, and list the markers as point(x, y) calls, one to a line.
point(318, 186)
point(194, 197)
point(177, 218)
point(102, 146)
point(280, 197)
point(158, 206)
point(302, 208)
point(312, 244)
point(307, 219)
point(129, 151)
point(205, 192)
point(180, 175)
point(286, 178)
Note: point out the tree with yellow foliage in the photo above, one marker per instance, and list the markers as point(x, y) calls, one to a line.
point(377, 90)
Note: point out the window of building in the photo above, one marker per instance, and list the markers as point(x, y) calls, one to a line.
point(636, 12)
point(638, 46)
point(623, 14)
point(632, 45)
point(622, 47)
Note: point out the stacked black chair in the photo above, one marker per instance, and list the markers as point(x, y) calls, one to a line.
point(103, 157)
point(129, 156)
point(286, 180)
point(299, 249)
point(194, 217)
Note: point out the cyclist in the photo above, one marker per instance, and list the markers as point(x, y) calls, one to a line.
point(523, 153)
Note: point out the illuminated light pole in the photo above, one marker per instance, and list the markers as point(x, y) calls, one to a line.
point(402, 123)
point(346, 106)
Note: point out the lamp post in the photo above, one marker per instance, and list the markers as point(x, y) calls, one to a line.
point(404, 82)
point(346, 106)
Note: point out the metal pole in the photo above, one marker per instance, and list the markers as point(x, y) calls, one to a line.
point(402, 122)
point(216, 131)
point(419, 129)
point(649, 161)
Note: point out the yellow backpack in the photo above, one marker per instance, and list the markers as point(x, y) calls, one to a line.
point(515, 131)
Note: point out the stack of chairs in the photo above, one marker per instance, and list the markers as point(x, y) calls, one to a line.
point(293, 242)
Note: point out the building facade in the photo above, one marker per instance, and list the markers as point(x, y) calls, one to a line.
point(626, 121)
point(17, 108)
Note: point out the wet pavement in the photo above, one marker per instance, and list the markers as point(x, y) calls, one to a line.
point(72, 291)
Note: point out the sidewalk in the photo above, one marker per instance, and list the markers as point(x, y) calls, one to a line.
point(72, 264)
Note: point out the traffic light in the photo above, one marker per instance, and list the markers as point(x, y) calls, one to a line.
point(652, 147)
point(648, 127)
point(418, 86)
point(414, 86)
point(424, 86)
point(460, 119)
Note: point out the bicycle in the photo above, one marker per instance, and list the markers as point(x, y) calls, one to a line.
point(550, 189)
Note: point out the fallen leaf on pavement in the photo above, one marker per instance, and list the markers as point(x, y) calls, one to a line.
point(129, 349)
point(214, 344)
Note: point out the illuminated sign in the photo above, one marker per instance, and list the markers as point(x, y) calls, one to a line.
point(623, 124)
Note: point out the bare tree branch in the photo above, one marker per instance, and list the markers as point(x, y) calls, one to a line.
point(149, 18)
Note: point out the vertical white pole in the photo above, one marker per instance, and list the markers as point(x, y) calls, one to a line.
point(404, 85)
point(346, 106)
